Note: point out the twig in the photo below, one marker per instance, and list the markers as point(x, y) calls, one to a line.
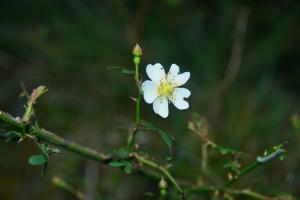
point(244, 171)
point(56, 140)
point(250, 193)
point(64, 185)
point(163, 170)
point(244, 192)
point(204, 157)
point(259, 161)
point(86, 152)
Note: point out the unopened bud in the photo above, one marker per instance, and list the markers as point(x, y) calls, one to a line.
point(137, 51)
point(162, 183)
point(136, 60)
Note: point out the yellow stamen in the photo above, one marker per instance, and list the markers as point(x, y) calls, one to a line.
point(165, 89)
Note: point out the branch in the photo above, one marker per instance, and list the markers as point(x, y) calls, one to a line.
point(57, 181)
point(56, 140)
point(162, 170)
point(242, 192)
point(259, 161)
point(86, 152)
point(250, 193)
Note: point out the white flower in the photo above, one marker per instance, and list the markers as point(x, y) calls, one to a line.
point(164, 88)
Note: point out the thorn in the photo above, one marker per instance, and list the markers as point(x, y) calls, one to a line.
point(133, 99)
point(20, 140)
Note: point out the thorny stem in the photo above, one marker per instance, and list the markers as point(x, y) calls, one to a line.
point(56, 140)
point(132, 136)
point(162, 170)
point(255, 164)
point(85, 152)
point(244, 171)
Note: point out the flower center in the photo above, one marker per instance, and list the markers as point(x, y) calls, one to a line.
point(165, 89)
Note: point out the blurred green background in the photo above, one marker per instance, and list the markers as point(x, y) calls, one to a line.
point(244, 59)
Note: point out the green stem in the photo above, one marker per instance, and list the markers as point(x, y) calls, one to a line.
point(250, 193)
point(28, 112)
point(85, 152)
point(204, 157)
point(138, 99)
point(57, 181)
point(56, 140)
point(137, 73)
point(72, 146)
point(8, 119)
point(163, 170)
point(137, 110)
point(246, 192)
point(131, 139)
point(244, 171)
point(260, 160)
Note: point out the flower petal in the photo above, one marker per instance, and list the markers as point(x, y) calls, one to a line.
point(178, 98)
point(181, 79)
point(174, 70)
point(155, 72)
point(161, 107)
point(149, 89)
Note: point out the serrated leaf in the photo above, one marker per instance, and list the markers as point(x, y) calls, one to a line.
point(39, 159)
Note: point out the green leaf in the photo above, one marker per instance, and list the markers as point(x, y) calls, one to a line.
point(169, 158)
point(224, 150)
point(149, 126)
point(282, 157)
point(166, 138)
point(232, 165)
point(128, 168)
point(117, 164)
point(39, 159)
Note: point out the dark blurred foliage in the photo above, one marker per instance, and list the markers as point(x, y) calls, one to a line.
point(69, 46)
